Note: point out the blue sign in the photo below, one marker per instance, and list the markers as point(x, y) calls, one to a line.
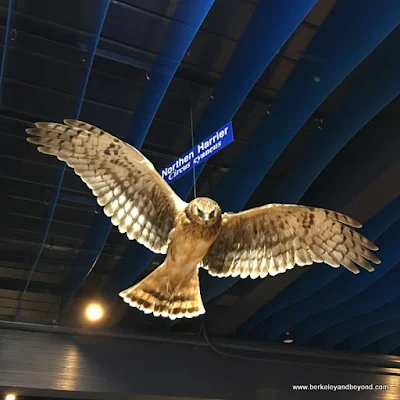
point(199, 154)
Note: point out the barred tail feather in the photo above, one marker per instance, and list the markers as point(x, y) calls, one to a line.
point(167, 293)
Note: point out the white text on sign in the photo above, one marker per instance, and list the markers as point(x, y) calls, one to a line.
point(200, 153)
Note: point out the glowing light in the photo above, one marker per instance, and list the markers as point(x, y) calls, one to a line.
point(10, 396)
point(287, 338)
point(94, 312)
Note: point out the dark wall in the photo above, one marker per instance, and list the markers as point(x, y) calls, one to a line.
point(73, 363)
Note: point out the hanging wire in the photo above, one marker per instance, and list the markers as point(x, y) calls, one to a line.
point(212, 347)
point(192, 133)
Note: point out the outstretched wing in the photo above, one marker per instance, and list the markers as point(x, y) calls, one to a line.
point(276, 237)
point(125, 182)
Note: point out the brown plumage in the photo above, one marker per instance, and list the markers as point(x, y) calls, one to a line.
point(255, 243)
point(173, 289)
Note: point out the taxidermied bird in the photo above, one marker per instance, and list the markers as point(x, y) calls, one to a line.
point(262, 241)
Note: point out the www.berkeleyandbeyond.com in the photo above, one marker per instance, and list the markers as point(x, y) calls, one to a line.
point(345, 387)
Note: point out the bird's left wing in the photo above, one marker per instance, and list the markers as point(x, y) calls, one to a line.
point(274, 238)
point(125, 182)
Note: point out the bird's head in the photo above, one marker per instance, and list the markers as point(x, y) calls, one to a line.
point(203, 211)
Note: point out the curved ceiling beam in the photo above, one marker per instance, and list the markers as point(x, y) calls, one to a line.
point(382, 142)
point(355, 321)
point(344, 288)
point(376, 332)
point(101, 13)
point(318, 79)
point(183, 27)
point(375, 87)
point(389, 343)
point(380, 293)
point(269, 28)
point(321, 275)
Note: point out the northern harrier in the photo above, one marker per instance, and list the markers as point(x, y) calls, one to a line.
point(255, 243)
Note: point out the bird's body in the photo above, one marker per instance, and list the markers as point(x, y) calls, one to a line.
point(190, 240)
point(262, 241)
point(177, 277)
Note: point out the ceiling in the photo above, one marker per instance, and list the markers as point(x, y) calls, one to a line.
point(312, 90)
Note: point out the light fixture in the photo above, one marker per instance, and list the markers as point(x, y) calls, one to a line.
point(94, 312)
point(10, 396)
point(287, 338)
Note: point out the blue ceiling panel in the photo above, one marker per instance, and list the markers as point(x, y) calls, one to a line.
point(390, 343)
point(304, 287)
point(374, 333)
point(375, 87)
point(386, 290)
point(378, 294)
point(186, 22)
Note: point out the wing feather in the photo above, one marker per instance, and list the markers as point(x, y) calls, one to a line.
point(276, 237)
point(139, 202)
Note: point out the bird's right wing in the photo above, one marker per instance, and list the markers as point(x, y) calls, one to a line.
point(125, 182)
point(272, 239)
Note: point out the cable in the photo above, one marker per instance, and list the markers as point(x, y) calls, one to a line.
point(192, 133)
point(220, 352)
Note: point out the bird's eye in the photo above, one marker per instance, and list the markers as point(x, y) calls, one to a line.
point(200, 212)
point(212, 214)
